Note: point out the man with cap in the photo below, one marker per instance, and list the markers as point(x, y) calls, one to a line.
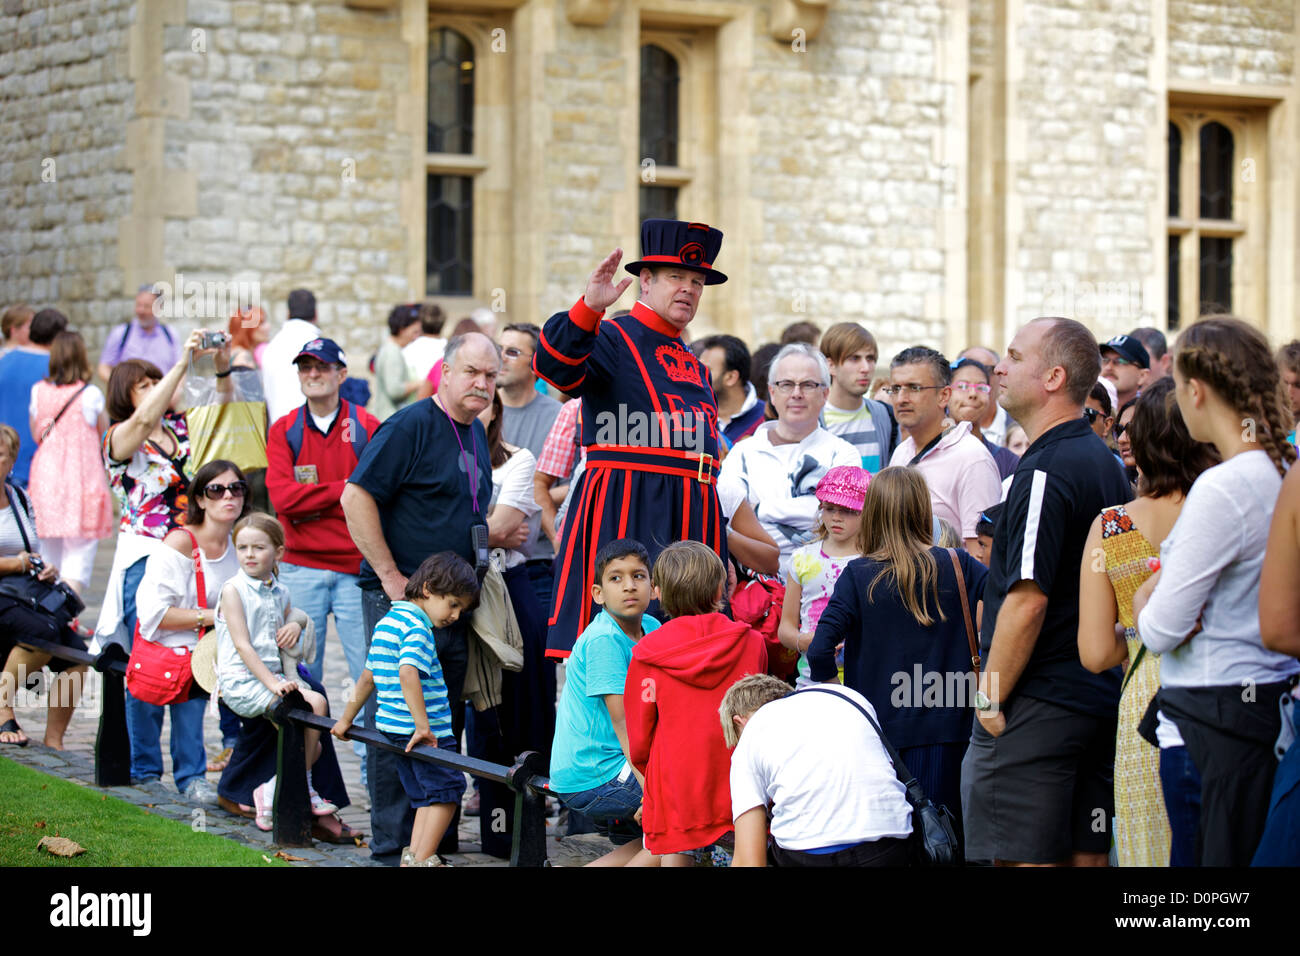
point(1124, 360)
point(649, 414)
point(311, 452)
point(278, 378)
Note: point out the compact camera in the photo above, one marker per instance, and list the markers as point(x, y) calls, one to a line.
point(214, 340)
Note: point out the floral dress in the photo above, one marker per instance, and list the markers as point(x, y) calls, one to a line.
point(816, 572)
point(1141, 824)
point(150, 485)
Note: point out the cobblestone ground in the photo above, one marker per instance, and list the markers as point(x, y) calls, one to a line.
point(76, 763)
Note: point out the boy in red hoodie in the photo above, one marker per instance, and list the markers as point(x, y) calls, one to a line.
point(675, 683)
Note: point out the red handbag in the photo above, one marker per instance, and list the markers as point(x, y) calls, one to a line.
point(759, 604)
point(161, 675)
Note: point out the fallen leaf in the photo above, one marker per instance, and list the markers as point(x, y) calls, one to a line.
point(104, 797)
point(149, 805)
point(60, 846)
point(40, 824)
point(44, 785)
point(289, 857)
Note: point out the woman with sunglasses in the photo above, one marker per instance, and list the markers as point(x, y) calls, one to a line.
point(971, 394)
point(172, 614)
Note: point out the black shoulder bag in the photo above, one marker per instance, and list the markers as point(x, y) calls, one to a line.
point(53, 600)
point(934, 837)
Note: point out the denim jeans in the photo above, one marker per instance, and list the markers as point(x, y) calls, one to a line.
point(391, 815)
point(1181, 783)
point(316, 592)
point(144, 721)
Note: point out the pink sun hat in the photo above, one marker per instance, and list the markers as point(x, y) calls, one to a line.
point(844, 485)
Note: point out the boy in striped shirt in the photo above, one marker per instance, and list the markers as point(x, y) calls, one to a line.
point(402, 669)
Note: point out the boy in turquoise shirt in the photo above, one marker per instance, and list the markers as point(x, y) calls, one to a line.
point(590, 770)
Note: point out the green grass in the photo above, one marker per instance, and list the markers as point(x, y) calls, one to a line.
point(114, 832)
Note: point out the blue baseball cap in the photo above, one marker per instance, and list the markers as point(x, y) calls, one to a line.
point(323, 350)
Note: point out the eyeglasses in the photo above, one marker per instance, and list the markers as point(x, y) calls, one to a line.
point(237, 489)
point(969, 386)
point(511, 352)
point(1114, 359)
point(910, 389)
point(786, 387)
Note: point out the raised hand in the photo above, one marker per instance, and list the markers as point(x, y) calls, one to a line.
point(601, 292)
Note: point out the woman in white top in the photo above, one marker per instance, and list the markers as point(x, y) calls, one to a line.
point(1219, 684)
point(172, 614)
point(525, 720)
point(22, 552)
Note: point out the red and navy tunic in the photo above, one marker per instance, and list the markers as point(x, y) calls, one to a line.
point(650, 427)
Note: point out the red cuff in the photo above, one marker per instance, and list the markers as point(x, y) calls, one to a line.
point(584, 317)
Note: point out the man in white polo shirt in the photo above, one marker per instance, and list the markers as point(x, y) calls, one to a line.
point(962, 475)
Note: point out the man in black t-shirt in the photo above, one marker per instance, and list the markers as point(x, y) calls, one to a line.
point(1037, 780)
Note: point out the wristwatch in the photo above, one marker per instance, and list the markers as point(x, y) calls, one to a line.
point(982, 702)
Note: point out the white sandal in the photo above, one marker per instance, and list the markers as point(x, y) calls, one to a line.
point(264, 802)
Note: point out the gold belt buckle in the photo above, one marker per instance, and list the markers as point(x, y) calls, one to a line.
point(704, 459)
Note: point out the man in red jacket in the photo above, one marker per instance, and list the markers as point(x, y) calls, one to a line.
point(310, 454)
point(675, 682)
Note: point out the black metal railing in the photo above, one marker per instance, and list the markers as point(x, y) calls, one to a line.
point(292, 808)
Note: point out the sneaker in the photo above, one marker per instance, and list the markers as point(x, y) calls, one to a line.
point(200, 791)
point(264, 802)
point(319, 805)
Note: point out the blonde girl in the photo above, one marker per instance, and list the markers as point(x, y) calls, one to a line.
point(254, 641)
point(816, 566)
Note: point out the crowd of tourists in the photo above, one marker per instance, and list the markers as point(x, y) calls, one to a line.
point(737, 593)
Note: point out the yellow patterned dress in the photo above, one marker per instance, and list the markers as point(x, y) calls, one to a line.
point(1141, 824)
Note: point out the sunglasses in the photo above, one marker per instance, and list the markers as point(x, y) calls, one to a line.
point(1091, 414)
point(237, 489)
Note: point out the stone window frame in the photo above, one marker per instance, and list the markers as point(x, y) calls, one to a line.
point(488, 166)
point(1248, 226)
point(694, 47)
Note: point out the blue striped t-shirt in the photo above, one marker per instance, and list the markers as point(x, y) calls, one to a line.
point(405, 636)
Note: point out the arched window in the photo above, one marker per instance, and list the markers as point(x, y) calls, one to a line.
point(1216, 171)
point(1175, 165)
point(1203, 233)
point(659, 129)
point(449, 198)
point(451, 93)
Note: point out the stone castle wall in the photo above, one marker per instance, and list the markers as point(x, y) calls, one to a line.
point(64, 186)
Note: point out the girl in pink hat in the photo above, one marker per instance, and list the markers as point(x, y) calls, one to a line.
point(816, 566)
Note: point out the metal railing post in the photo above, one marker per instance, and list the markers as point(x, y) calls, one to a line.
point(528, 842)
point(112, 745)
point(292, 807)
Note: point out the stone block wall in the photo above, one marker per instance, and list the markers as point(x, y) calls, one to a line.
point(1081, 182)
point(847, 177)
point(1232, 41)
point(64, 185)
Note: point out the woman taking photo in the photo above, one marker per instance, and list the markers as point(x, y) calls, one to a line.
point(898, 610)
point(173, 614)
point(69, 492)
point(19, 554)
point(1200, 611)
point(1148, 816)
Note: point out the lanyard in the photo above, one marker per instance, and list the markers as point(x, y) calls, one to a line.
point(473, 479)
point(928, 448)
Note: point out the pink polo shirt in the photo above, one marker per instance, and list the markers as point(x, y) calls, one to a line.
point(962, 476)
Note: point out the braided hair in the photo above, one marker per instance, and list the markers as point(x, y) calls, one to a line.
point(1233, 358)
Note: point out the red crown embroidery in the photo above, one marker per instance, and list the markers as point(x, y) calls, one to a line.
point(679, 364)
